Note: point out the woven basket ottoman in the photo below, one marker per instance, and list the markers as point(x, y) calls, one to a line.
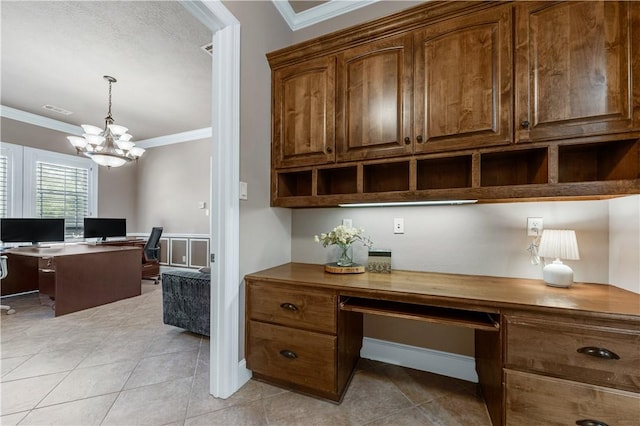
point(186, 300)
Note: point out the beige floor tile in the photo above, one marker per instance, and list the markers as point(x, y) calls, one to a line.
point(115, 351)
point(163, 368)
point(457, 409)
point(250, 414)
point(83, 412)
point(421, 386)
point(202, 401)
point(22, 347)
point(9, 364)
point(151, 405)
point(370, 396)
point(294, 409)
point(48, 363)
point(88, 382)
point(12, 419)
point(174, 340)
point(25, 394)
point(408, 417)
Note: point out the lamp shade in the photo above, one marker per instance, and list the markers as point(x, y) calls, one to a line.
point(558, 244)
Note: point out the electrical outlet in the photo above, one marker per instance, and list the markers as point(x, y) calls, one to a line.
point(534, 226)
point(398, 225)
point(347, 222)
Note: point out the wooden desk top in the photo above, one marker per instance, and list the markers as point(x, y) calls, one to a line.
point(465, 291)
point(67, 250)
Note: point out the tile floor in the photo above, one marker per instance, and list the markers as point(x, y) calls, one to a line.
point(118, 364)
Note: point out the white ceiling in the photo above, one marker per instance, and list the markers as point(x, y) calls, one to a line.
point(57, 52)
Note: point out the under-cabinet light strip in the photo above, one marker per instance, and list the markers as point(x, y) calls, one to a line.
point(411, 203)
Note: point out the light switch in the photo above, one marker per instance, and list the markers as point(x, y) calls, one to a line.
point(243, 190)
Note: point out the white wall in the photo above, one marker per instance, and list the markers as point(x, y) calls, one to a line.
point(624, 242)
point(483, 239)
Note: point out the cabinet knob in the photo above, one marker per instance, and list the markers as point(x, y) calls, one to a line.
point(419, 139)
point(289, 307)
point(329, 149)
point(407, 140)
point(598, 352)
point(525, 124)
point(590, 422)
point(288, 354)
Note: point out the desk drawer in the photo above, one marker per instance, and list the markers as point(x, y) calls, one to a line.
point(539, 400)
point(587, 353)
point(301, 357)
point(306, 309)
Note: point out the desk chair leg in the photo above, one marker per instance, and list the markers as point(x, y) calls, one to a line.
point(8, 309)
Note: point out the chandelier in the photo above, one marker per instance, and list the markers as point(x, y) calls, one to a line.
point(111, 146)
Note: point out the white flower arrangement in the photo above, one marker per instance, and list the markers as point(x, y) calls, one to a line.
point(343, 236)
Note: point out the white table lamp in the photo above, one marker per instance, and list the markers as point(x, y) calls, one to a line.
point(558, 244)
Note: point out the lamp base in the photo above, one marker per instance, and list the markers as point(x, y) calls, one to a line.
point(557, 274)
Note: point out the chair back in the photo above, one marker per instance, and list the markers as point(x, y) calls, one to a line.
point(152, 248)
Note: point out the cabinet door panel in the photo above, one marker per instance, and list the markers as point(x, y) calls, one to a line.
point(574, 69)
point(374, 100)
point(463, 83)
point(303, 108)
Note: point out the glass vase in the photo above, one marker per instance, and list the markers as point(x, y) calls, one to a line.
point(345, 256)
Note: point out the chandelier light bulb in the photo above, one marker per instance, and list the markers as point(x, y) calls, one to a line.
point(110, 146)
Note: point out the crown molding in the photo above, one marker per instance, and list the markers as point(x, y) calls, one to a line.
point(40, 121)
point(71, 129)
point(323, 12)
point(187, 136)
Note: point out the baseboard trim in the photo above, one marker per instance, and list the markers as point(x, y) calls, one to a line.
point(244, 374)
point(438, 362)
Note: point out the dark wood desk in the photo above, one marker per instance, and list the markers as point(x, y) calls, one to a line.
point(544, 355)
point(148, 269)
point(77, 276)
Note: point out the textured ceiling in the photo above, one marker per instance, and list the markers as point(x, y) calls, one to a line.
point(56, 52)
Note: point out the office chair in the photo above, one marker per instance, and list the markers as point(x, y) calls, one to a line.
point(3, 273)
point(151, 256)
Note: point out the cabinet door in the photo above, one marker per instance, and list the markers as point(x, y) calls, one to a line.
point(463, 82)
point(303, 113)
point(374, 92)
point(574, 69)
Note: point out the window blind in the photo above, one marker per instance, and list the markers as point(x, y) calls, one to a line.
point(63, 191)
point(4, 186)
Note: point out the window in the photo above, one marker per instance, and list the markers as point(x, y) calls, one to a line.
point(38, 183)
point(63, 191)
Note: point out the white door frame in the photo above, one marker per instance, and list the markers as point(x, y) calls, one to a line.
point(225, 372)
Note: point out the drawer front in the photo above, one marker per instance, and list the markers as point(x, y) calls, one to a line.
point(297, 308)
point(581, 352)
point(539, 400)
point(296, 356)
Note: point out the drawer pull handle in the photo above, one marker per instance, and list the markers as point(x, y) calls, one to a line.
point(288, 354)
point(598, 352)
point(589, 422)
point(289, 307)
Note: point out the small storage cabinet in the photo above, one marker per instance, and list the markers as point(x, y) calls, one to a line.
point(571, 371)
point(293, 340)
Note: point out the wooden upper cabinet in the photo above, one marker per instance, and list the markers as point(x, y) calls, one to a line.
point(373, 99)
point(462, 82)
point(575, 69)
point(303, 113)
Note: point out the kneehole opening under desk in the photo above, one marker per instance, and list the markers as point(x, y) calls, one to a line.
point(478, 320)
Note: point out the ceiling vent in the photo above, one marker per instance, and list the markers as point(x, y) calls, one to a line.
point(207, 48)
point(57, 109)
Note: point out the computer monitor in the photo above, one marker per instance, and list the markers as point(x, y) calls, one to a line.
point(100, 227)
point(31, 230)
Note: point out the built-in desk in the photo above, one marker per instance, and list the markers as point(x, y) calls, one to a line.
point(544, 355)
point(77, 276)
